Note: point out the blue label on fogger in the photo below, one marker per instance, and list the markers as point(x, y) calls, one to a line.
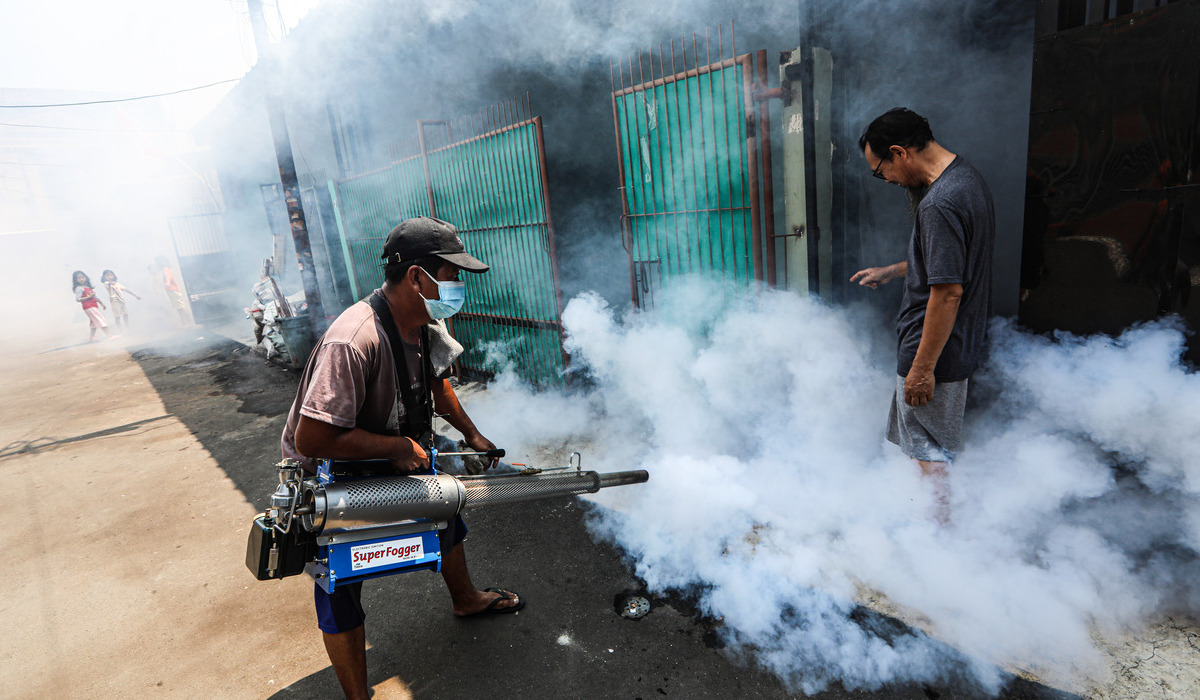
point(386, 555)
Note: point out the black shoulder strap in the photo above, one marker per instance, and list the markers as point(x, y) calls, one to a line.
point(418, 416)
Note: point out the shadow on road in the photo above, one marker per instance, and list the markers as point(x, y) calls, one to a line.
point(45, 444)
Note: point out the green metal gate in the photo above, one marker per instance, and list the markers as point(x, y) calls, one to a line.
point(486, 174)
point(689, 158)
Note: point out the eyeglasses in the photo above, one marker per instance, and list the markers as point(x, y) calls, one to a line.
point(877, 171)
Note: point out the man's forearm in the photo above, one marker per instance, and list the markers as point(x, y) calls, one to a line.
point(445, 401)
point(318, 440)
point(940, 313)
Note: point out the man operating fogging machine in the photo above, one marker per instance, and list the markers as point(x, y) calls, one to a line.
point(947, 302)
point(350, 406)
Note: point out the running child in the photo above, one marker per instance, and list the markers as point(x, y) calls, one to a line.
point(116, 299)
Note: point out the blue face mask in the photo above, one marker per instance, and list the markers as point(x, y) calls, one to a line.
point(451, 297)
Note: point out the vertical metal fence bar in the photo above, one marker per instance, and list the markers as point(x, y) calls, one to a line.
point(768, 185)
point(511, 162)
point(476, 201)
point(638, 237)
point(670, 264)
point(669, 175)
point(499, 152)
point(478, 220)
point(482, 176)
point(545, 178)
point(474, 177)
point(636, 188)
point(483, 217)
point(703, 221)
point(665, 176)
point(751, 169)
point(623, 189)
point(506, 161)
point(447, 185)
point(650, 220)
point(487, 148)
point(535, 233)
point(730, 150)
point(683, 206)
point(425, 165)
point(712, 98)
point(545, 237)
point(341, 229)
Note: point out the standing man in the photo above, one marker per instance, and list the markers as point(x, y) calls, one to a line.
point(947, 300)
point(363, 396)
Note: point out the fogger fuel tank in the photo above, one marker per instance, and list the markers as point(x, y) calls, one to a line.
point(341, 530)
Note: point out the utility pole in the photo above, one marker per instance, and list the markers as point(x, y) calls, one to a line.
point(287, 169)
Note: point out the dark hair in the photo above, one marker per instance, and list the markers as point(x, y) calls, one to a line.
point(106, 273)
point(394, 272)
point(87, 280)
point(896, 127)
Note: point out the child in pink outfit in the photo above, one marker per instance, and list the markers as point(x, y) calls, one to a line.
point(85, 295)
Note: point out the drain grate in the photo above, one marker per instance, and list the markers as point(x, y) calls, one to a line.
point(633, 607)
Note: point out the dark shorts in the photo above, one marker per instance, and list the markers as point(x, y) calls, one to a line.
point(342, 610)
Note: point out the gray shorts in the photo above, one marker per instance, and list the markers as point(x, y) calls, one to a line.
point(931, 432)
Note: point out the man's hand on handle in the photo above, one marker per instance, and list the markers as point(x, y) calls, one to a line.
point(412, 457)
point(481, 444)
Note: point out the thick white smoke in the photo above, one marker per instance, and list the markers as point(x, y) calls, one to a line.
point(774, 498)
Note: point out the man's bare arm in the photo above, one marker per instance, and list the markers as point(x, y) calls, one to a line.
point(940, 313)
point(319, 440)
point(873, 277)
point(445, 402)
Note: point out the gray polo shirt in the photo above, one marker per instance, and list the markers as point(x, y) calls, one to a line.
point(952, 242)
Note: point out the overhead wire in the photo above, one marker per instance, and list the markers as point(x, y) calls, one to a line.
point(122, 99)
point(83, 128)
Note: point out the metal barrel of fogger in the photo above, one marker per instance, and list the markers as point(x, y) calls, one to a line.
point(363, 503)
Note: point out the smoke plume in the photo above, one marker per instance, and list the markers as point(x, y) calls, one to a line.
point(776, 502)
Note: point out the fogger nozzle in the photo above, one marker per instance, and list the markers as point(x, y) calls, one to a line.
point(348, 505)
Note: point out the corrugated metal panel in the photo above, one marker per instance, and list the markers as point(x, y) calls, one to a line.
point(687, 155)
point(492, 187)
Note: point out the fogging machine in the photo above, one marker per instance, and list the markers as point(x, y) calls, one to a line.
point(341, 528)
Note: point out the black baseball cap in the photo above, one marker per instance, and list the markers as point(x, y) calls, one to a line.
point(425, 236)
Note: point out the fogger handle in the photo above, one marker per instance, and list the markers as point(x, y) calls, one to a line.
point(490, 454)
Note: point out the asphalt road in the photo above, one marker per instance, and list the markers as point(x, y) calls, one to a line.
point(133, 473)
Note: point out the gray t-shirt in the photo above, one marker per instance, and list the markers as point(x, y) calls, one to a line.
point(350, 379)
point(952, 242)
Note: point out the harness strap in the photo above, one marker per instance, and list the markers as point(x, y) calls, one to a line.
point(418, 412)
